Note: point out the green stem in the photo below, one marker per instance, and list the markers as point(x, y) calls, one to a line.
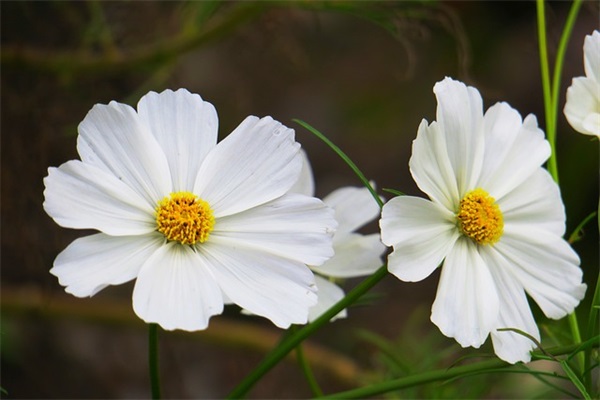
point(308, 374)
point(545, 70)
point(592, 331)
point(278, 353)
point(153, 360)
point(577, 233)
point(560, 57)
point(575, 332)
point(344, 157)
point(438, 375)
point(551, 92)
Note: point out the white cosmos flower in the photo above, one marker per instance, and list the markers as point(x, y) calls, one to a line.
point(187, 218)
point(355, 254)
point(582, 108)
point(495, 220)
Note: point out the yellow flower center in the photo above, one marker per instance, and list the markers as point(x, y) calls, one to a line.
point(184, 217)
point(480, 218)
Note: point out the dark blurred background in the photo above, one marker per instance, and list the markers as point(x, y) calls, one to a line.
point(360, 72)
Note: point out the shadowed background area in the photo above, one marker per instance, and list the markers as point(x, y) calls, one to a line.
point(360, 72)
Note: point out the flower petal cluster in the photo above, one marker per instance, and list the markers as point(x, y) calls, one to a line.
point(355, 254)
point(582, 108)
point(190, 219)
point(494, 221)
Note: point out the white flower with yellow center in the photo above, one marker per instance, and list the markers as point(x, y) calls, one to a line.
point(495, 219)
point(355, 254)
point(582, 108)
point(186, 217)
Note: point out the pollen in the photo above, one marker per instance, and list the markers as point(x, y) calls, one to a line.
point(480, 218)
point(185, 218)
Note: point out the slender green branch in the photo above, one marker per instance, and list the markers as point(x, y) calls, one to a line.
point(438, 375)
point(566, 34)
point(308, 374)
point(343, 155)
point(575, 379)
point(578, 231)
point(153, 360)
point(539, 375)
point(551, 111)
point(560, 57)
point(278, 353)
point(545, 70)
point(591, 332)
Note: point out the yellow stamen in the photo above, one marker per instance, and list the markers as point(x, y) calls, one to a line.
point(480, 218)
point(185, 218)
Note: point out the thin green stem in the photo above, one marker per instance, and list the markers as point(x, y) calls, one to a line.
point(560, 57)
point(576, 333)
point(344, 157)
point(591, 332)
point(308, 374)
point(574, 377)
point(437, 375)
point(153, 360)
point(545, 70)
point(551, 92)
point(578, 231)
point(278, 353)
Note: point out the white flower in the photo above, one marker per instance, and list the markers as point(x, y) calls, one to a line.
point(186, 217)
point(355, 254)
point(582, 108)
point(495, 220)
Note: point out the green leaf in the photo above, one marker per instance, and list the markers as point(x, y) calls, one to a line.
point(587, 345)
point(575, 379)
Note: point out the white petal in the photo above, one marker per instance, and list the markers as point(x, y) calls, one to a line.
point(466, 305)
point(293, 226)
point(355, 255)
point(422, 233)
point(591, 56)
point(82, 196)
point(175, 289)
point(460, 117)
point(329, 293)
point(266, 285)
point(306, 183)
point(258, 162)
point(514, 312)
point(582, 108)
point(536, 202)
point(430, 166)
point(546, 266)
point(91, 263)
point(591, 123)
point(185, 126)
point(113, 138)
point(354, 207)
point(513, 149)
